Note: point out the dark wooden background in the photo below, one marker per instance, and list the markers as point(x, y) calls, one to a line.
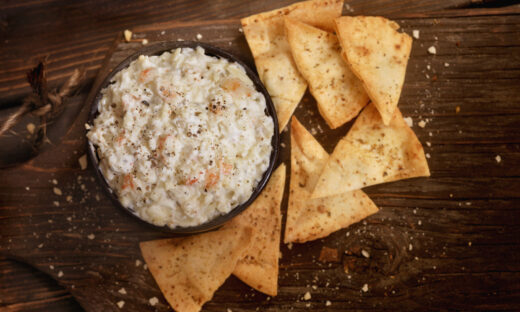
point(463, 223)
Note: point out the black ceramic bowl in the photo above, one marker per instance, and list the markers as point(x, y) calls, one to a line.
point(158, 49)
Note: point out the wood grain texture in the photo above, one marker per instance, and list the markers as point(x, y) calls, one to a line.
point(79, 33)
point(39, 291)
point(462, 223)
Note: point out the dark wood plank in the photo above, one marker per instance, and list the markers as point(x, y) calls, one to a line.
point(23, 288)
point(462, 223)
point(79, 33)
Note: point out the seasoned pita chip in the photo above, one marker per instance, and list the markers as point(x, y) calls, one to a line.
point(317, 54)
point(282, 80)
point(259, 268)
point(189, 270)
point(310, 219)
point(266, 38)
point(372, 153)
point(378, 54)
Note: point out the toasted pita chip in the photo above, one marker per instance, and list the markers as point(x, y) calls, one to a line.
point(189, 270)
point(259, 267)
point(378, 55)
point(317, 54)
point(310, 219)
point(372, 153)
point(266, 38)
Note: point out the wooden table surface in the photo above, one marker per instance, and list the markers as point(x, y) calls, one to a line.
point(465, 220)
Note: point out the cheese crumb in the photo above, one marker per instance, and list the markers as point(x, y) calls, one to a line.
point(128, 35)
point(410, 247)
point(446, 64)
point(153, 301)
point(419, 222)
point(83, 162)
point(60, 273)
point(328, 303)
point(307, 296)
point(87, 126)
point(40, 246)
point(144, 42)
point(428, 144)
point(289, 246)
point(121, 304)
point(498, 159)
point(199, 36)
point(349, 8)
point(54, 181)
point(427, 155)
point(91, 236)
point(30, 127)
point(415, 33)
point(57, 191)
point(137, 263)
point(432, 50)
point(122, 291)
point(421, 123)
point(409, 121)
point(240, 29)
point(365, 253)
point(27, 188)
point(469, 244)
point(365, 288)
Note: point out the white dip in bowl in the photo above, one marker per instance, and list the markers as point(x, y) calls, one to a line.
point(182, 137)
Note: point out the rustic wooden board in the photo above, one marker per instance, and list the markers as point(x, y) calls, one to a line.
point(462, 223)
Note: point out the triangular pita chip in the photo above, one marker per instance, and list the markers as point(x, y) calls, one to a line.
point(259, 267)
point(310, 219)
point(265, 36)
point(378, 54)
point(372, 153)
point(189, 270)
point(317, 54)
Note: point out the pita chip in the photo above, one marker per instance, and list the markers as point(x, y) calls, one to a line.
point(317, 54)
point(378, 54)
point(189, 270)
point(259, 267)
point(372, 153)
point(265, 36)
point(309, 219)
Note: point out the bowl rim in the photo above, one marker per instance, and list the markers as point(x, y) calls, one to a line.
point(157, 49)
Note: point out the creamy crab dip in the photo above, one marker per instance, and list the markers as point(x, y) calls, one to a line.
point(182, 137)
